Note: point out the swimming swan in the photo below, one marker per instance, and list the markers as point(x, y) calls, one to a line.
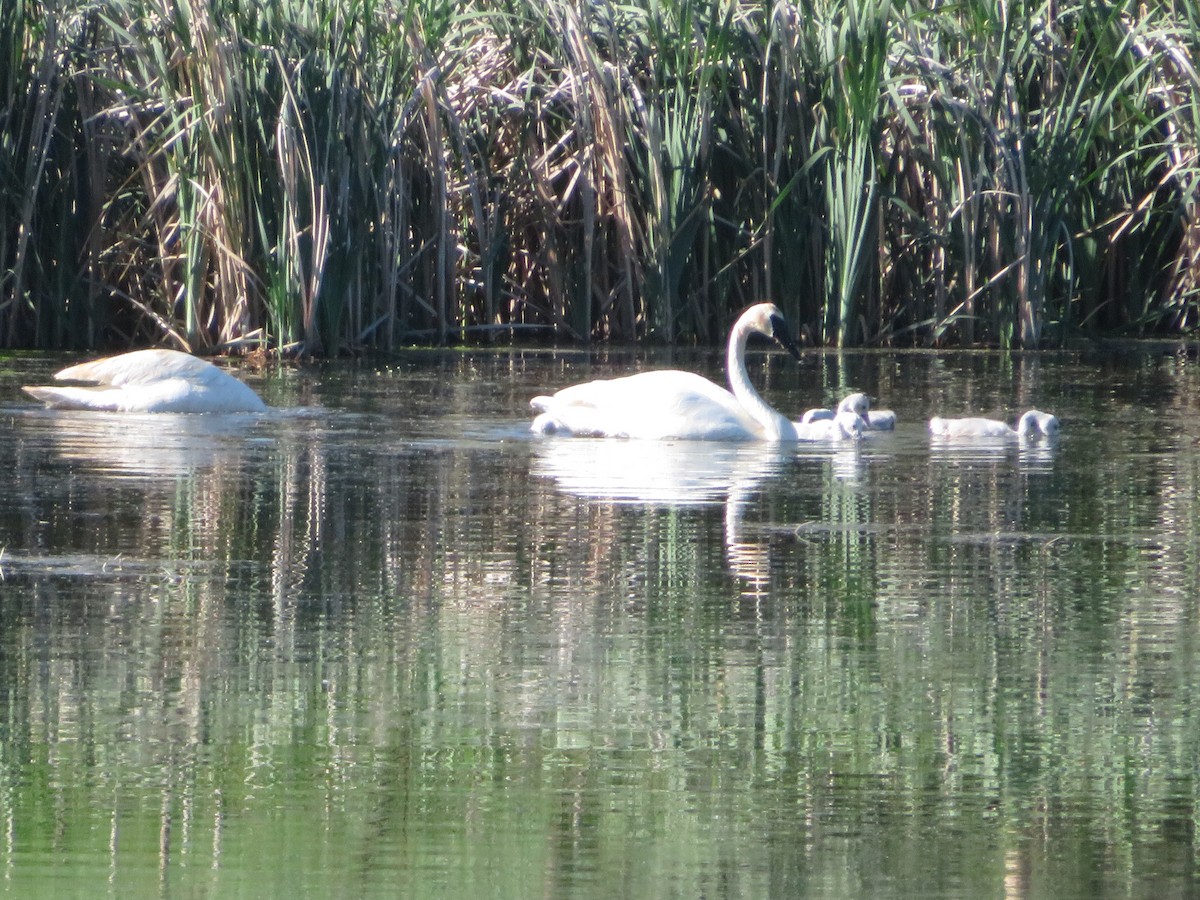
point(1033, 424)
point(672, 404)
point(874, 419)
point(149, 381)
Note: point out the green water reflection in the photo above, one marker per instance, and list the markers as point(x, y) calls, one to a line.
point(384, 643)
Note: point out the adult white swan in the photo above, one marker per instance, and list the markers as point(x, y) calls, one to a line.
point(149, 381)
point(672, 404)
point(1032, 424)
point(859, 405)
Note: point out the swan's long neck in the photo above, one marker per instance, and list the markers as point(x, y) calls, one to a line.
point(775, 426)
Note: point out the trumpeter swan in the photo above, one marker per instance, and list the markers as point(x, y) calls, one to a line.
point(672, 404)
point(149, 381)
point(1032, 424)
point(857, 403)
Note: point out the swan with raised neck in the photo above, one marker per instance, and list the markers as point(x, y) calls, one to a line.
point(673, 404)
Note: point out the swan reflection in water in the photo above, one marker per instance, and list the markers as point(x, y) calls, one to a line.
point(128, 481)
point(137, 444)
point(685, 473)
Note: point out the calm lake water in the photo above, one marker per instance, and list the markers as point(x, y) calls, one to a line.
point(384, 642)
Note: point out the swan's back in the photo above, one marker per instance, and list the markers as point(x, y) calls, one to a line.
point(816, 415)
point(149, 381)
point(882, 420)
point(143, 367)
point(969, 426)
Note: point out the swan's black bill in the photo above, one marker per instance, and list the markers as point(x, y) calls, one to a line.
point(779, 331)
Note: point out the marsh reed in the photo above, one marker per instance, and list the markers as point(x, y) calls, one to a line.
point(321, 176)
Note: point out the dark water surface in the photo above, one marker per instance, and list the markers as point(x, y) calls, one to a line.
point(384, 642)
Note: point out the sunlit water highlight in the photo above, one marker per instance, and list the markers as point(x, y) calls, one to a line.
point(383, 642)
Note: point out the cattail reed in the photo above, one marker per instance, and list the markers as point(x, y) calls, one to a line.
point(316, 176)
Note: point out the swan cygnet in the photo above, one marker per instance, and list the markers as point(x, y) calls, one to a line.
point(843, 426)
point(149, 381)
point(671, 404)
point(1032, 424)
point(859, 404)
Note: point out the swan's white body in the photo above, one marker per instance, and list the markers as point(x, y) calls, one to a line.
point(1032, 424)
point(656, 405)
point(874, 419)
point(671, 404)
point(149, 381)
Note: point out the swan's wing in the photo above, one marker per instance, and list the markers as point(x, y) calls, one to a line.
point(816, 415)
point(67, 397)
point(651, 405)
point(165, 395)
point(152, 398)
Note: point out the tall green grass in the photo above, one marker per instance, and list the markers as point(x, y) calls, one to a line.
point(314, 176)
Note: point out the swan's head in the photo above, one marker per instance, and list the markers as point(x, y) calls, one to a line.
point(1036, 422)
point(765, 318)
point(849, 424)
point(858, 405)
point(1047, 423)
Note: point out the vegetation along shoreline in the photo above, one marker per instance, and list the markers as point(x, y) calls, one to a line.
point(313, 177)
